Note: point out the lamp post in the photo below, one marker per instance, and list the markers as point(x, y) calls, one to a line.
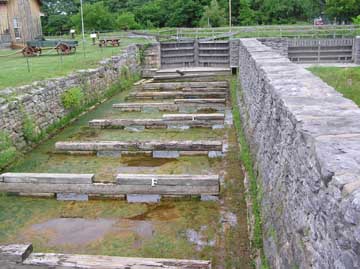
point(82, 25)
point(230, 15)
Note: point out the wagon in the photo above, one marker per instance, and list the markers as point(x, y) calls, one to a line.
point(35, 47)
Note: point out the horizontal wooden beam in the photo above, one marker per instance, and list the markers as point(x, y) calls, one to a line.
point(153, 123)
point(193, 117)
point(180, 85)
point(176, 95)
point(168, 180)
point(108, 189)
point(200, 101)
point(140, 146)
point(196, 105)
point(67, 261)
point(47, 178)
point(21, 257)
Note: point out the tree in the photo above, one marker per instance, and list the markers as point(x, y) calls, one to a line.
point(247, 15)
point(342, 10)
point(96, 17)
point(213, 15)
point(126, 21)
point(56, 15)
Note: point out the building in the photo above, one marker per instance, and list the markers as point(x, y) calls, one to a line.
point(19, 21)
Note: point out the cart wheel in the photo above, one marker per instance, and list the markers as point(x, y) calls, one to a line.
point(63, 49)
point(28, 52)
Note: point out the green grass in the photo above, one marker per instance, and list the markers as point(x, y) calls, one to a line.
point(246, 159)
point(14, 69)
point(344, 80)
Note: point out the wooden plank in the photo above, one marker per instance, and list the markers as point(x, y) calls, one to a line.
point(168, 180)
point(176, 95)
point(108, 189)
point(201, 101)
point(140, 146)
point(68, 261)
point(195, 106)
point(48, 178)
point(179, 85)
point(156, 123)
point(193, 117)
point(14, 253)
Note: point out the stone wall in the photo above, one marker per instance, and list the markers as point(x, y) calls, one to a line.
point(305, 140)
point(41, 101)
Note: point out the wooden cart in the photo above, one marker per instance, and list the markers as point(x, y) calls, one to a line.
point(35, 47)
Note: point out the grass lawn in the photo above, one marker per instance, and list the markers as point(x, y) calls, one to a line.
point(14, 69)
point(344, 80)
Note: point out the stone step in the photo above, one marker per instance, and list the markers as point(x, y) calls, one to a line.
point(176, 95)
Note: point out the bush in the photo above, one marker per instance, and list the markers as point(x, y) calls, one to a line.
point(30, 130)
point(126, 21)
point(7, 150)
point(73, 98)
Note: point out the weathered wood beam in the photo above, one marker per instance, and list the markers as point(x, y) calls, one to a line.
point(14, 253)
point(67, 261)
point(179, 85)
point(21, 257)
point(196, 105)
point(168, 180)
point(47, 178)
point(176, 95)
point(108, 189)
point(184, 117)
point(154, 123)
point(140, 146)
point(200, 101)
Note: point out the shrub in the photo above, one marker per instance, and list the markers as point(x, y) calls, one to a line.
point(30, 130)
point(7, 150)
point(73, 98)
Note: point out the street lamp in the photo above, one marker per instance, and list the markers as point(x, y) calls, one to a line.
point(82, 25)
point(230, 14)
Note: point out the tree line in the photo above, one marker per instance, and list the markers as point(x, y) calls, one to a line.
point(60, 16)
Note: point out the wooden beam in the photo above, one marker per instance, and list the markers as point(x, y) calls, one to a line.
point(183, 117)
point(67, 261)
point(155, 123)
point(14, 253)
point(140, 146)
point(200, 101)
point(179, 85)
point(176, 95)
point(47, 178)
point(108, 189)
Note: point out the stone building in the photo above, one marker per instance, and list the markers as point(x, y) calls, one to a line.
point(19, 21)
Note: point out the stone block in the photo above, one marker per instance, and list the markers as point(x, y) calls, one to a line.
point(72, 197)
